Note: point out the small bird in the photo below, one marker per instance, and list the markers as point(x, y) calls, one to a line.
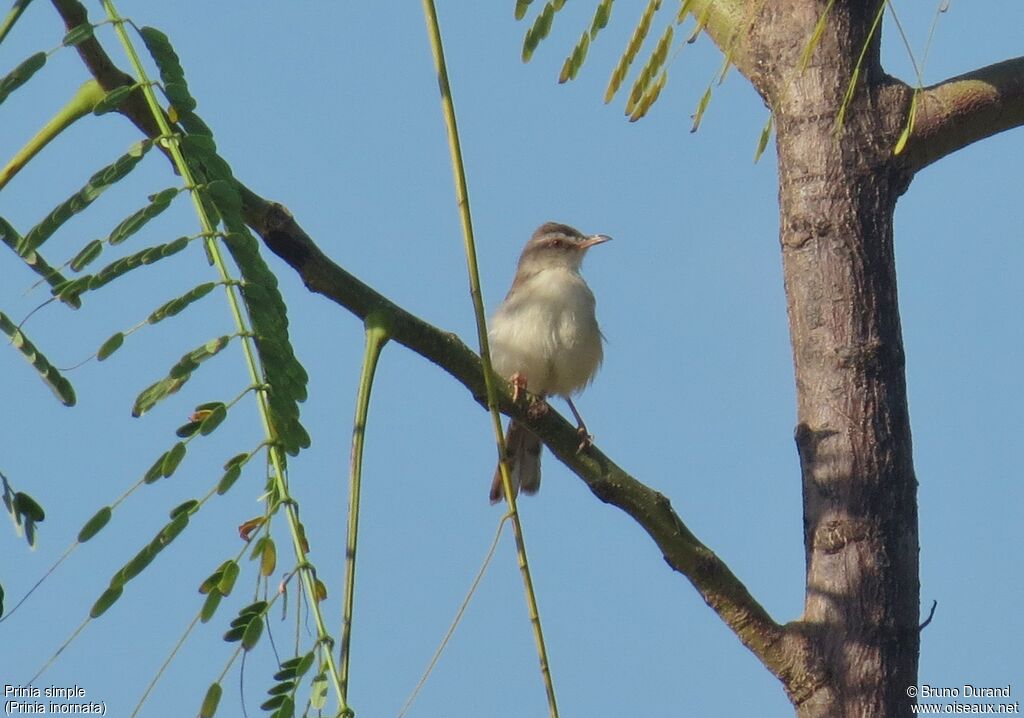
point(545, 337)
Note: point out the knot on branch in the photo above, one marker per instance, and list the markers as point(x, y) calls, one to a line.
point(833, 536)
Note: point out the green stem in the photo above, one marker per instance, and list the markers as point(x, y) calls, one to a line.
point(169, 140)
point(80, 104)
point(377, 334)
point(12, 17)
point(462, 199)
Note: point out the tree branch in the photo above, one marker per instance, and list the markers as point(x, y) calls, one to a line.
point(782, 649)
point(719, 587)
point(964, 109)
point(99, 64)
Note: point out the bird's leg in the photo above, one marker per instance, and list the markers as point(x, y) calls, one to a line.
point(538, 404)
point(518, 382)
point(586, 438)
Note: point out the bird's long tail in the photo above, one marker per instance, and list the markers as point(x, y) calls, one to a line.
point(522, 453)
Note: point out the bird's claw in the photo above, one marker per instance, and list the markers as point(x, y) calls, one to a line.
point(586, 439)
point(538, 408)
point(518, 382)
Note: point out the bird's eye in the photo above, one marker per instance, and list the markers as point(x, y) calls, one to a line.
point(558, 243)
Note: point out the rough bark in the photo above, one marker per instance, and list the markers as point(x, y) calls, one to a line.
point(837, 193)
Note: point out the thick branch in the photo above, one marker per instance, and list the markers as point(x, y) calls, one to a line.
point(964, 109)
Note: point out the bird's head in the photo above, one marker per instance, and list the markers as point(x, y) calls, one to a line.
point(557, 245)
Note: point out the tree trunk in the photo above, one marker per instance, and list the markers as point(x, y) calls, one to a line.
point(837, 194)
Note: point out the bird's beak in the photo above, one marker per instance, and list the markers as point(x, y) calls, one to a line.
point(596, 239)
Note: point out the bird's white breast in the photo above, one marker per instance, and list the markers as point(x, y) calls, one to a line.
point(546, 332)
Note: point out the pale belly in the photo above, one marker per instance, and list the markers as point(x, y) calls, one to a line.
point(550, 336)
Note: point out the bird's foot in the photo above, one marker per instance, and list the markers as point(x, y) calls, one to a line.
point(518, 382)
point(586, 438)
point(538, 408)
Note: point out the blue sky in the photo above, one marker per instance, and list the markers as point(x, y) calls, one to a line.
point(332, 109)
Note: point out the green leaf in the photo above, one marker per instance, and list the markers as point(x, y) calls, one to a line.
point(21, 74)
point(133, 261)
point(178, 94)
point(214, 420)
point(318, 691)
point(30, 532)
point(643, 89)
point(237, 460)
point(601, 16)
point(256, 608)
point(81, 199)
point(135, 566)
point(630, 53)
point(901, 143)
point(521, 7)
point(193, 123)
point(186, 507)
point(273, 702)
point(252, 633)
point(186, 430)
point(235, 634)
point(87, 254)
point(540, 29)
point(305, 663)
point(210, 701)
point(60, 386)
point(198, 146)
point(105, 601)
point(113, 99)
point(95, 524)
point(173, 459)
point(77, 34)
point(225, 195)
point(137, 220)
point(110, 346)
point(702, 20)
point(157, 392)
point(285, 686)
point(286, 710)
point(574, 62)
point(229, 575)
point(70, 292)
point(213, 579)
point(171, 530)
point(766, 133)
point(257, 547)
point(166, 250)
point(27, 507)
point(34, 260)
point(268, 558)
point(649, 97)
point(178, 304)
point(156, 471)
point(210, 606)
point(701, 106)
point(228, 479)
point(266, 308)
point(287, 672)
point(164, 56)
